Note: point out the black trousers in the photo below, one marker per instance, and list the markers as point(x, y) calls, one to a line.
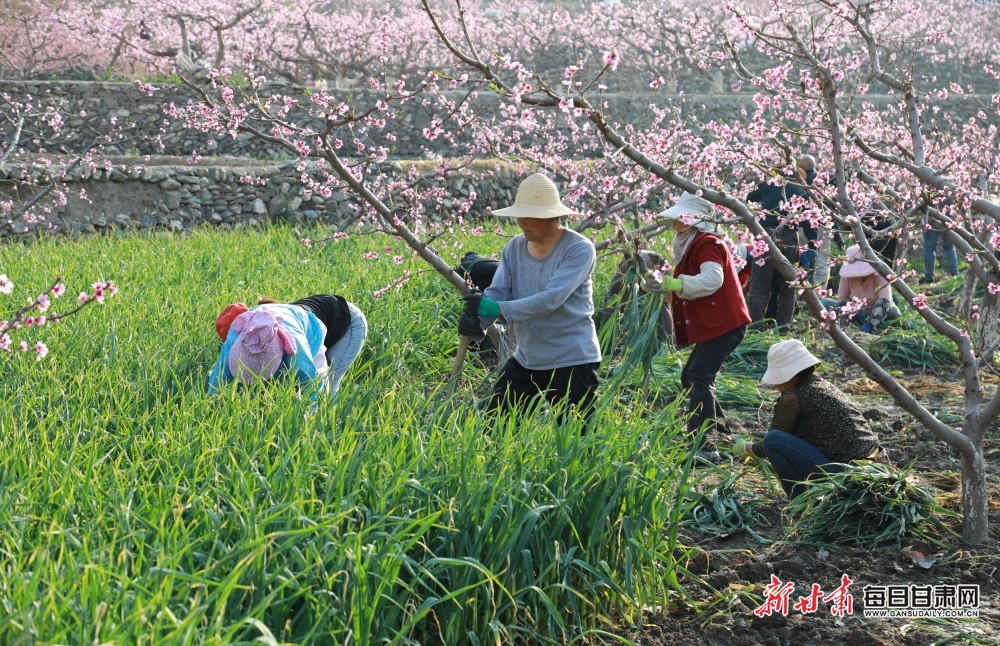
point(516, 385)
point(767, 284)
point(699, 374)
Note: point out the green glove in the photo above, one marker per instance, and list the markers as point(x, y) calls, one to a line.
point(488, 308)
point(672, 285)
point(650, 285)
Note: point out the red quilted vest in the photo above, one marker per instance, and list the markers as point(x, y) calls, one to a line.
point(699, 320)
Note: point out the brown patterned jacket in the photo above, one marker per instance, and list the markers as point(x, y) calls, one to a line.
point(820, 413)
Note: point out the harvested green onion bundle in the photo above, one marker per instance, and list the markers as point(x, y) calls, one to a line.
point(869, 505)
point(723, 511)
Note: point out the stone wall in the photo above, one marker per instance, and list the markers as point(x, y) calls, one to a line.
point(165, 192)
point(90, 106)
point(178, 197)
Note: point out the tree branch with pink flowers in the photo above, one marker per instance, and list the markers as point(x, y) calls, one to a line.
point(37, 314)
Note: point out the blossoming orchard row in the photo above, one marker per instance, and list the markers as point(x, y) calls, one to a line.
point(669, 43)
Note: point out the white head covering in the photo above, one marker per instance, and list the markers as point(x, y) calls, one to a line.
point(699, 212)
point(785, 359)
point(537, 197)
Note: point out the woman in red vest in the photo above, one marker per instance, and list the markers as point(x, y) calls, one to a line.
point(708, 308)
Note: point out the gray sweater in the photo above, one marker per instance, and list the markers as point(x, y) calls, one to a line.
point(550, 301)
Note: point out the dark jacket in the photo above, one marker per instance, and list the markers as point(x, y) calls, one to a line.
point(332, 311)
point(819, 413)
point(770, 197)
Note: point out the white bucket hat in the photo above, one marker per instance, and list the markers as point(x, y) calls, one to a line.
point(786, 359)
point(537, 197)
point(699, 211)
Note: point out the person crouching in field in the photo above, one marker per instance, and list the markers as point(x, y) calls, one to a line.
point(543, 286)
point(861, 283)
point(317, 337)
point(815, 427)
point(708, 311)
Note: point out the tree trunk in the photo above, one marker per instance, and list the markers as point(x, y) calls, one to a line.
point(988, 329)
point(715, 82)
point(220, 53)
point(975, 524)
point(963, 309)
point(185, 46)
point(670, 83)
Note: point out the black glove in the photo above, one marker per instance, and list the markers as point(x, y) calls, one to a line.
point(468, 325)
point(472, 300)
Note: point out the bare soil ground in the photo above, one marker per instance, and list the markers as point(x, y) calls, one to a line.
point(741, 567)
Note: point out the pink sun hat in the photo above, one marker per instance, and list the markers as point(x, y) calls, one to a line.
point(261, 345)
point(855, 266)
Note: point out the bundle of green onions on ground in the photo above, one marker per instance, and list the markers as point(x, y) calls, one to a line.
point(908, 342)
point(723, 510)
point(868, 505)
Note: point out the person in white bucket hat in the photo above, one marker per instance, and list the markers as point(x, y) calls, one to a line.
point(544, 287)
point(815, 426)
point(708, 310)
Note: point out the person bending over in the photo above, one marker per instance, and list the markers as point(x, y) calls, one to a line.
point(317, 337)
point(816, 427)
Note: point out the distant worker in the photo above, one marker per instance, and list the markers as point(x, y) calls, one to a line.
point(316, 338)
point(817, 255)
point(765, 280)
point(861, 283)
point(933, 235)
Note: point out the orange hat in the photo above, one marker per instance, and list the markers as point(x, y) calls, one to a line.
point(226, 318)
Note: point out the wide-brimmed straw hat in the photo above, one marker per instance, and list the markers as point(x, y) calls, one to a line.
point(537, 197)
point(696, 211)
point(785, 359)
point(260, 347)
point(856, 266)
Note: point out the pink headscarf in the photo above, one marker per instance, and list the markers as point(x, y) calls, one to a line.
point(261, 345)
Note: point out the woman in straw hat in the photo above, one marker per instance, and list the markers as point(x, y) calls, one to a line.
point(317, 338)
point(815, 427)
point(708, 310)
point(861, 283)
point(543, 287)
